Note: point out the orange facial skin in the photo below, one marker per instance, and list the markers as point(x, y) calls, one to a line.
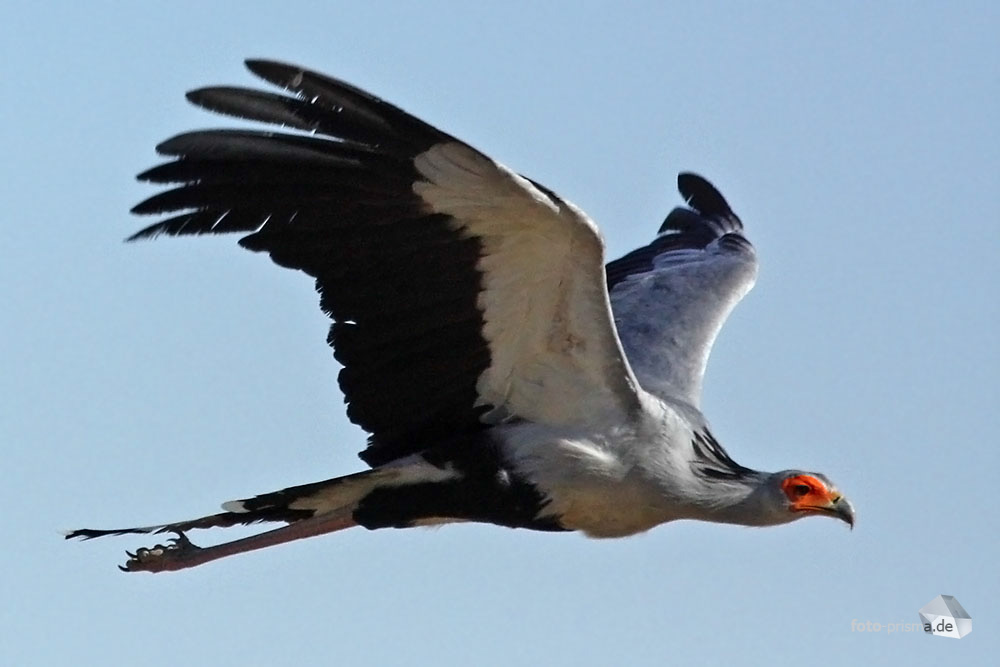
point(806, 493)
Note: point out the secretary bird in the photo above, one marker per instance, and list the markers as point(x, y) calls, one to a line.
point(504, 374)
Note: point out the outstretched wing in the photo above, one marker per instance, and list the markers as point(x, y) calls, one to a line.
point(461, 293)
point(671, 298)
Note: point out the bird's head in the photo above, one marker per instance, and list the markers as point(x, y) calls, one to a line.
point(803, 494)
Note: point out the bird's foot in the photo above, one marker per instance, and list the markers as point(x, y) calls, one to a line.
point(162, 557)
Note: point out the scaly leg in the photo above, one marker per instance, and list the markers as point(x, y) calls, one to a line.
point(181, 554)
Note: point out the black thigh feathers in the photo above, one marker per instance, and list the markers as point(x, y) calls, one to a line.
point(487, 491)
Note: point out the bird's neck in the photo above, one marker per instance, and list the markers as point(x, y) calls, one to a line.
point(742, 501)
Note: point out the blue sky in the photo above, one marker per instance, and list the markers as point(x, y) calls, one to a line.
point(149, 382)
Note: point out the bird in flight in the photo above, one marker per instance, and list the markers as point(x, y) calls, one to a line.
point(504, 374)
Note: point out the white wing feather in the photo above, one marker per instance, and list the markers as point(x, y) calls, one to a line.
point(556, 357)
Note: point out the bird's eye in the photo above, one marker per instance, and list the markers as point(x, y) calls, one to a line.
point(801, 490)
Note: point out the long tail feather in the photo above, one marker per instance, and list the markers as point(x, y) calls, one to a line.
point(289, 505)
point(221, 520)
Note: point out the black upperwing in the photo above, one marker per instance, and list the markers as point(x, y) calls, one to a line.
point(399, 282)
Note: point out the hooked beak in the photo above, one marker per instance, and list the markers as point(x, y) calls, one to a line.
point(842, 509)
point(839, 507)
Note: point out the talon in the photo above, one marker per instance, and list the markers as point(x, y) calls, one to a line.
point(181, 541)
point(160, 557)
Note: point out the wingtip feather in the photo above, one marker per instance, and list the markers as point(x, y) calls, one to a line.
point(274, 71)
point(701, 195)
point(146, 233)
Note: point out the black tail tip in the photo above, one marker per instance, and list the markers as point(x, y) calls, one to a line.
point(81, 533)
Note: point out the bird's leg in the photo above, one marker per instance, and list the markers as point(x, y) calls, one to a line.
point(180, 553)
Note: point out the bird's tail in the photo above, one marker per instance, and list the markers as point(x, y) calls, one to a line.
point(310, 509)
point(296, 503)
